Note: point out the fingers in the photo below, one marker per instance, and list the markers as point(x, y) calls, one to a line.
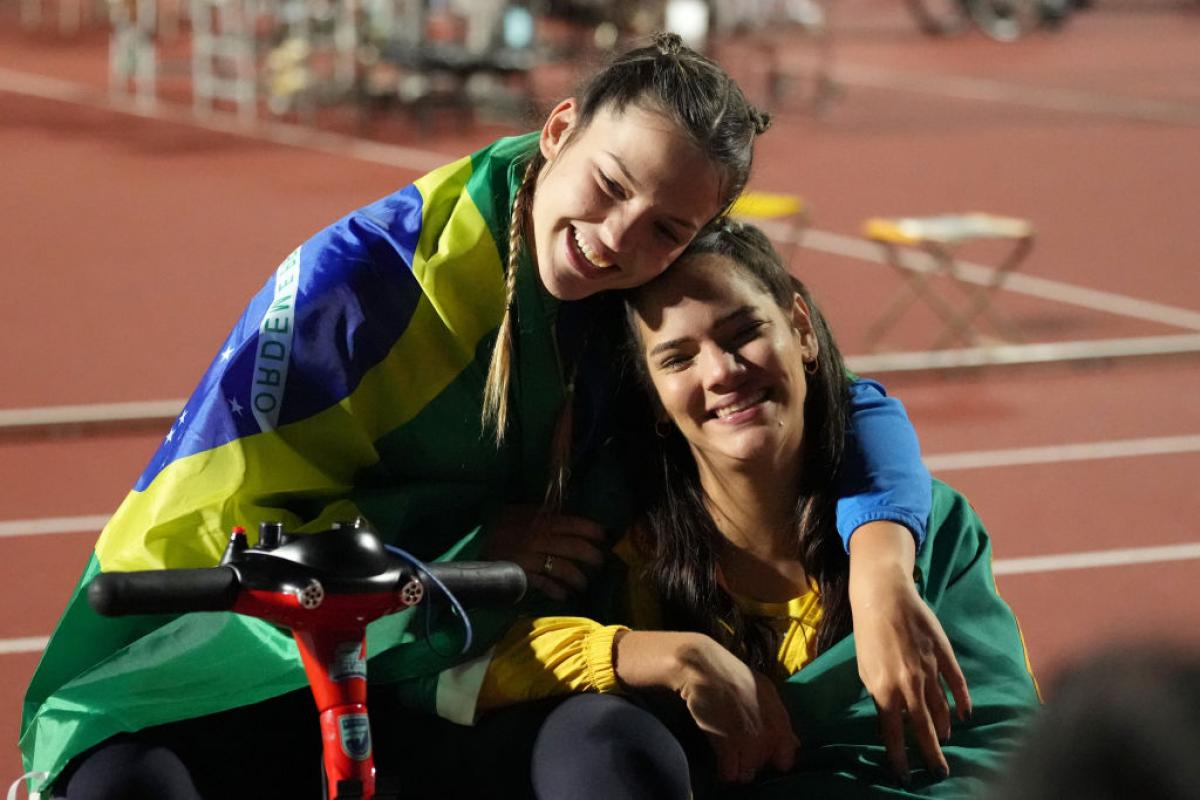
point(571, 547)
point(576, 526)
point(924, 730)
point(554, 549)
point(779, 739)
point(939, 709)
point(563, 570)
point(955, 680)
point(891, 730)
point(552, 589)
point(553, 576)
point(783, 757)
point(728, 762)
point(921, 706)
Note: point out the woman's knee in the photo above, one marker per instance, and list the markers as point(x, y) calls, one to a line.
point(129, 769)
point(606, 746)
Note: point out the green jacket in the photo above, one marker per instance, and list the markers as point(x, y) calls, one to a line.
point(836, 720)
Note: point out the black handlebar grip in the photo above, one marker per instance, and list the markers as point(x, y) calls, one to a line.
point(480, 583)
point(163, 591)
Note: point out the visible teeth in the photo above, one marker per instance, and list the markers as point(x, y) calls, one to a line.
point(590, 254)
point(726, 411)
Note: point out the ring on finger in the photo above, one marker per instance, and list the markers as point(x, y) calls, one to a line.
point(548, 565)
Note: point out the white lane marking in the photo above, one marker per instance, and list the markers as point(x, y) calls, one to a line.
point(1053, 454)
point(1012, 354)
point(91, 523)
point(294, 135)
point(61, 416)
point(420, 160)
point(1054, 99)
point(29, 644)
point(1096, 558)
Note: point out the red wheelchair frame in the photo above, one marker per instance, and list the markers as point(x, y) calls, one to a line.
point(326, 587)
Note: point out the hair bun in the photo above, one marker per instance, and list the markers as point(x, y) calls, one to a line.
point(668, 44)
point(761, 120)
point(731, 226)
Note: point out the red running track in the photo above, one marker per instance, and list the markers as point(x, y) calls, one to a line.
point(131, 244)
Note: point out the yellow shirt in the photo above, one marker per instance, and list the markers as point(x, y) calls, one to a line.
point(548, 656)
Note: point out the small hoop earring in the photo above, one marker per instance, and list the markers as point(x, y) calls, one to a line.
point(811, 367)
point(661, 432)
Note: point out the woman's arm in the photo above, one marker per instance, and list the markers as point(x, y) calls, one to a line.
point(902, 651)
point(738, 709)
point(882, 477)
point(901, 648)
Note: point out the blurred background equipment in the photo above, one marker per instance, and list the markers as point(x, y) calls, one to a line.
point(940, 237)
point(1002, 20)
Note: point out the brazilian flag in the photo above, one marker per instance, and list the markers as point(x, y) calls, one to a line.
point(350, 386)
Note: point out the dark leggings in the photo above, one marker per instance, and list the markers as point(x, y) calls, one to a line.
point(603, 746)
point(133, 770)
point(588, 746)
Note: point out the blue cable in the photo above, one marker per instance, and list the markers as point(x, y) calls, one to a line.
point(420, 567)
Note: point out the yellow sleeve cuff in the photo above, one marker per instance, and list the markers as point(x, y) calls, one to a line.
point(549, 656)
point(598, 650)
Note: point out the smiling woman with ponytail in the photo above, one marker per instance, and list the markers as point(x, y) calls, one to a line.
point(437, 363)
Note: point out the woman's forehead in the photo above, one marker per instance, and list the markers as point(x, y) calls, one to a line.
point(658, 159)
point(707, 280)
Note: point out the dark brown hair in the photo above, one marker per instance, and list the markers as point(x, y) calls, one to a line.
point(680, 534)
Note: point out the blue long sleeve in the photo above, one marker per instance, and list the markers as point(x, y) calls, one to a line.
point(882, 477)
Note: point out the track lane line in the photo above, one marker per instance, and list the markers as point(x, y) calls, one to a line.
point(415, 159)
point(1096, 558)
point(28, 644)
point(421, 160)
point(90, 523)
point(1061, 453)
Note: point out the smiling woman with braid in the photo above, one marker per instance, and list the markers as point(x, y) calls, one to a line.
point(429, 362)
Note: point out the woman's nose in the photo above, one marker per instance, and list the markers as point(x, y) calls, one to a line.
point(722, 369)
point(620, 229)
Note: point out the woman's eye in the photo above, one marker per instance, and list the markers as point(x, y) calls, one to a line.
point(747, 334)
point(612, 187)
point(673, 363)
point(669, 234)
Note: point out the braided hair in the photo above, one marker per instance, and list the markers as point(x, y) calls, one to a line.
point(669, 78)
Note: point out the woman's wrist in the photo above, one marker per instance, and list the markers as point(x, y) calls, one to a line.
point(882, 556)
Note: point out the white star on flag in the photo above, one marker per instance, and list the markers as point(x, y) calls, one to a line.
point(170, 434)
point(234, 406)
point(227, 353)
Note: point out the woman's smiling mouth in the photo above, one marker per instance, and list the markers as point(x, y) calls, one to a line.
point(584, 257)
point(741, 410)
